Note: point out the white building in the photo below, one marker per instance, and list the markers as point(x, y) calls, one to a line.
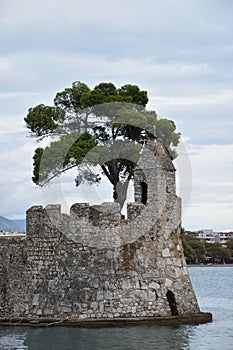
point(206, 235)
point(223, 237)
point(209, 236)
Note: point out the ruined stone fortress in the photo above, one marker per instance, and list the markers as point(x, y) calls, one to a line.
point(95, 265)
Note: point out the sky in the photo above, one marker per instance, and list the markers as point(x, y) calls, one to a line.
point(180, 51)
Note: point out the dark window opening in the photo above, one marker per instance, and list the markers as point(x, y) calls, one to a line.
point(172, 303)
point(144, 193)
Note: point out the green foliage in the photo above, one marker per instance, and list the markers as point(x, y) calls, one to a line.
point(188, 250)
point(107, 92)
point(217, 253)
point(230, 245)
point(43, 120)
point(166, 131)
point(60, 156)
point(36, 165)
point(112, 139)
point(71, 98)
point(133, 94)
point(194, 248)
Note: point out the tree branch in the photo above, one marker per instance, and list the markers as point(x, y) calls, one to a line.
point(59, 172)
point(107, 173)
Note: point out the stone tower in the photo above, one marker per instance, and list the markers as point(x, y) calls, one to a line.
point(94, 265)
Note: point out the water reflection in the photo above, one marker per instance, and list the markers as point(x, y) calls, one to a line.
point(136, 338)
point(13, 339)
point(213, 287)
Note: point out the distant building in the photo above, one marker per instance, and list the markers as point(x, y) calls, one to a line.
point(209, 236)
point(206, 235)
point(223, 237)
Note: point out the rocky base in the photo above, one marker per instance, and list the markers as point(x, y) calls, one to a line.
point(202, 317)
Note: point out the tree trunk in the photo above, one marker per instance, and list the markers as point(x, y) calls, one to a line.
point(120, 192)
point(119, 188)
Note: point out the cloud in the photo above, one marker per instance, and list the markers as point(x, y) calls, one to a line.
point(15, 182)
point(123, 29)
point(180, 52)
point(216, 216)
point(219, 98)
point(5, 64)
point(212, 184)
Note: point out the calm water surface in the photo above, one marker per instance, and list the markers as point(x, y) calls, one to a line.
point(214, 290)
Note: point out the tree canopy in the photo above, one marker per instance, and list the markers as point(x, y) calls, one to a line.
point(194, 248)
point(105, 126)
point(197, 250)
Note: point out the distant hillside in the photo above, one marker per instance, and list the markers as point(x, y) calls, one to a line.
point(12, 225)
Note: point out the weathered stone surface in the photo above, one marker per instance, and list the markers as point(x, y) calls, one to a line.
point(94, 264)
point(165, 253)
point(35, 300)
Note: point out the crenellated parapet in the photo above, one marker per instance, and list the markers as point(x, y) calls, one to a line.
point(95, 264)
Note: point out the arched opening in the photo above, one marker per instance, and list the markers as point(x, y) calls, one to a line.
point(144, 192)
point(172, 303)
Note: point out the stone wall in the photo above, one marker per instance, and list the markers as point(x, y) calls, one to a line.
point(94, 264)
point(13, 260)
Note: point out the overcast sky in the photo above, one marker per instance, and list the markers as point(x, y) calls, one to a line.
point(181, 52)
